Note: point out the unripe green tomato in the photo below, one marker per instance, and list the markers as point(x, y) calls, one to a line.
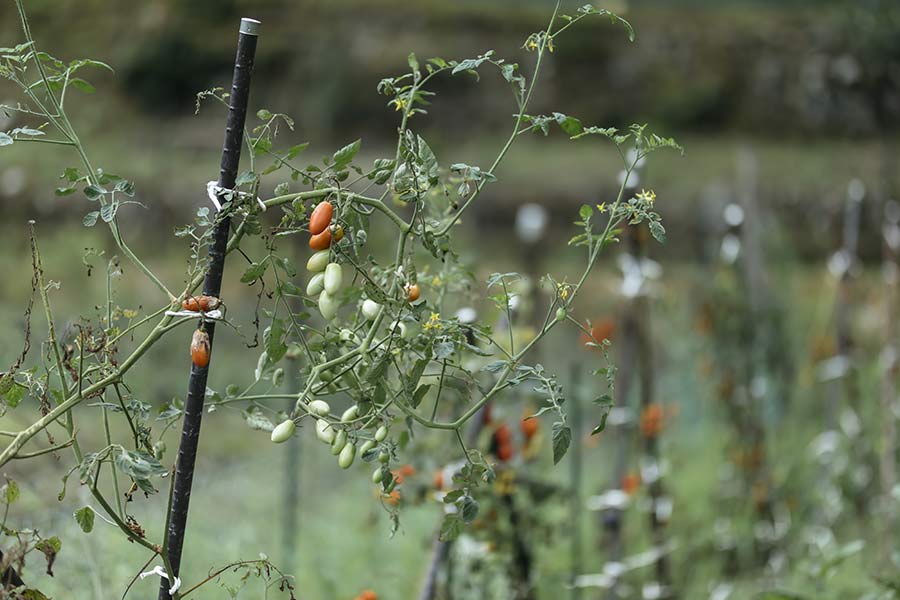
point(278, 376)
point(318, 261)
point(324, 431)
point(347, 335)
point(399, 327)
point(316, 284)
point(350, 414)
point(366, 446)
point(328, 306)
point(319, 408)
point(390, 486)
point(283, 431)
point(340, 440)
point(345, 459)
point(334, 277)
point(370, 309)
point(377, 474)
point(560, 314)
point(384, 457)
point(381, 433)
point(326, 376)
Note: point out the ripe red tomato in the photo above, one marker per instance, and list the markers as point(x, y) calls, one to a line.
point(503, 435)
point(198, 303)
point(321, 217)
point(200, 348)
point(320, 241)
point(504, 452)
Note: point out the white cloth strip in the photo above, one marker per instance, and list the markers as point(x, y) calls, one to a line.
point(213, 190)
point(159, 571)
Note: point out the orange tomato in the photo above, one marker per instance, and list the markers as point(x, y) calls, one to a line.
point(412, 292)
point(320, 217)
point(530, 427)
point(651, 421)
point(201, 303)
point(393, 498)
point(438, 480)
point(320, 241)
point(407, 470)
point(200, 348)
point(630, 483)
point(367, 595)
point(604, 329)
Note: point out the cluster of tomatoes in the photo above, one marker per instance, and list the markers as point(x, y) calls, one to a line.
point(328, 277)
point(502, 445)
point(200, 347)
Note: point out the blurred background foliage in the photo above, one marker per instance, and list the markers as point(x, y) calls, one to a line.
point(812, 86)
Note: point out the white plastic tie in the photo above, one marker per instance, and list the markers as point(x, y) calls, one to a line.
point(160, 572)
point(213, 190)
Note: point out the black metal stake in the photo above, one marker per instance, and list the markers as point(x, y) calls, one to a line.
point(193, 408)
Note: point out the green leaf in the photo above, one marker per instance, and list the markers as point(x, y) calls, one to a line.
point(82, 86)
point(140, 466)
point(562, 437)
point(258, 421)
point(9, 493)
point(451, 527)
point(93, 192)
point(90, 219)
point(570, 125)
point(420, 394)
point(245, 178)
point(495, 366)
point(468, 509)
point(275, 346)
point(294, 151)
point(658, 231)
point(344, 156)
point(85, 518)
point(605, 403)
point(108, 212)
point(443, 349)
point(126, 187)
point(254, 272)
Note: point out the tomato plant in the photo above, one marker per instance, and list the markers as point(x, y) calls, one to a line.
point(395, 361)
